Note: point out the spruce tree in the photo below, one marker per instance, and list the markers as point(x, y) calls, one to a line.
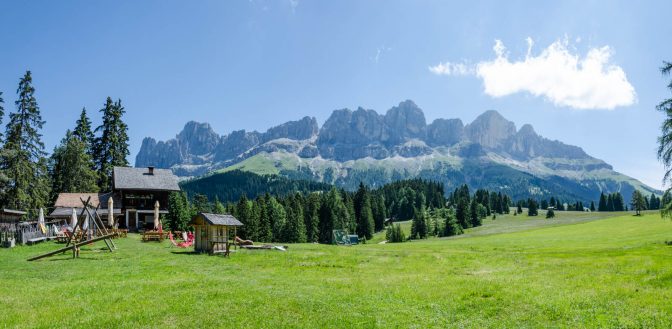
point(474, 216)
point(84, 133)
point(2, 112)
point(265, 233)
point(201, 203)
point(532, 207)
point(179, 214)
point(243, 214)
point(462, 213)
point(312, 217)
point(71, 167)
point(592, 206)
point(111, 147)
point(638, 203)
point(363, 213)
point(602, 205)
point(550, 213)
point(23, 159)
point(419, 227)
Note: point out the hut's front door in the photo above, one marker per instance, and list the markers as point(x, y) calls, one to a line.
point(132, 220)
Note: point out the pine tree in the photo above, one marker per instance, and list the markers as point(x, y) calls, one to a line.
point(532, 207)
point(550, 213)
point(312, 217)
point(610, 202)
point(602, 205)
point(638, 203)
point(462, 213)
point(379, 212)
point(363, 213)
point(243, 214)
point(179, 214)
point(452, 227)
point(474, 216)
point(23, 158)
point(84, 133)
point(111, 148)
point(265, 233)
point(278, 219)
point(218, 208)
point(201, 203)
point(71, 167)
point(2, 112)
point(592, 206)
point(419, 224)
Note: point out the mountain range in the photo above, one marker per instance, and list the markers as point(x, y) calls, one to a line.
point(363, 145)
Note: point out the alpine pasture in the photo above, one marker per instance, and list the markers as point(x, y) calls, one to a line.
point(579, 270)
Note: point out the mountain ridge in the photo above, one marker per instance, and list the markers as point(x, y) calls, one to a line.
point(355, 141)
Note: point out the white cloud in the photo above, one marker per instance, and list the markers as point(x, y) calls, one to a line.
point(448, 68)
point(557, 73)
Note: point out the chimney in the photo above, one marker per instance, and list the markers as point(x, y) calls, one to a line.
point(151, 170)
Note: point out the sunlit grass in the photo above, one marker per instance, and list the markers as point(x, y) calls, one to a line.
point(591, 272)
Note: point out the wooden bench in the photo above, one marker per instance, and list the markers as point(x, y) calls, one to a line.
point(36, 240)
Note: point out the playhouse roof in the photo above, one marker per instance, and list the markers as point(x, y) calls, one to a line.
point(217, 219)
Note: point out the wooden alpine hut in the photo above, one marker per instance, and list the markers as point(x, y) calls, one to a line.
point(213, 232)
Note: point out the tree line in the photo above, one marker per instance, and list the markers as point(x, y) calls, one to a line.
point(312, 216)
point(82, 162)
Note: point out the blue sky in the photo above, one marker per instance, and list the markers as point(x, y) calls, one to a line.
point(254, 64)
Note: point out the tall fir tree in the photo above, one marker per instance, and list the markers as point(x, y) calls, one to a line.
point(265, 233)
point(111, 147)
point(84, 132)
point(179, 214)
point(70, 167)
point(363, 212)
point(602, 205)
point(312, 217)
point(23, 159)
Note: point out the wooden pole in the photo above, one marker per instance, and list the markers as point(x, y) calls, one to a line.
point(74, 247)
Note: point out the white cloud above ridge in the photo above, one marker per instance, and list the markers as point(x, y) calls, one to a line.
point(557, 74)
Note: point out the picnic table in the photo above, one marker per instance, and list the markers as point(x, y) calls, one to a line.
point(154, 235)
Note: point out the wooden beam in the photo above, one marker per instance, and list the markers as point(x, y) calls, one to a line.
point(73, 247)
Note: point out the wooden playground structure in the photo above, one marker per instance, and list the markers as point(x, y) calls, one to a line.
point(79, 236)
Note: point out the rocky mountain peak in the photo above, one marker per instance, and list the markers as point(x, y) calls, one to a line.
point(405, 121)
point(490, 129)
point(198, 138)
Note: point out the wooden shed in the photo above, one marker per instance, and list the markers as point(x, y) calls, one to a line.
point(214, 232)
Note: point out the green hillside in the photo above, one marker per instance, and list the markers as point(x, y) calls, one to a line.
point(449, 170)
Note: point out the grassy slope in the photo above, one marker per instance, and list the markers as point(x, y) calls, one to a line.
point(614, 272)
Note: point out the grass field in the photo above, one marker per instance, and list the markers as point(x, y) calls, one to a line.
point(576, 272)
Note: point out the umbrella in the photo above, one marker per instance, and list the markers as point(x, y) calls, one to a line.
point(40, 222)
point(110, 212)
point(156, 215)
point(73, 219)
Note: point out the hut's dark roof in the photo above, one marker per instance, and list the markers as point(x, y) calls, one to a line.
point(217, 219)
point(127, 178)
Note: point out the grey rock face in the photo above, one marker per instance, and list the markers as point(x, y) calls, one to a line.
point(404, 122)
point(235, 144)
point(445, 132)
point(298, 130)
point(198, 138)
point(526, 144)
point(490, 130)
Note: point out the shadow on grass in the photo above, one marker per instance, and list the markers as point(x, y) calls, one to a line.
point(185, 252)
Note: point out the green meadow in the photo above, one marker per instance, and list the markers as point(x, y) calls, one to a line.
point(578, 270)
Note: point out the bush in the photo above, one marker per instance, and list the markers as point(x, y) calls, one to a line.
point(394, 234)
point(550, 213)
